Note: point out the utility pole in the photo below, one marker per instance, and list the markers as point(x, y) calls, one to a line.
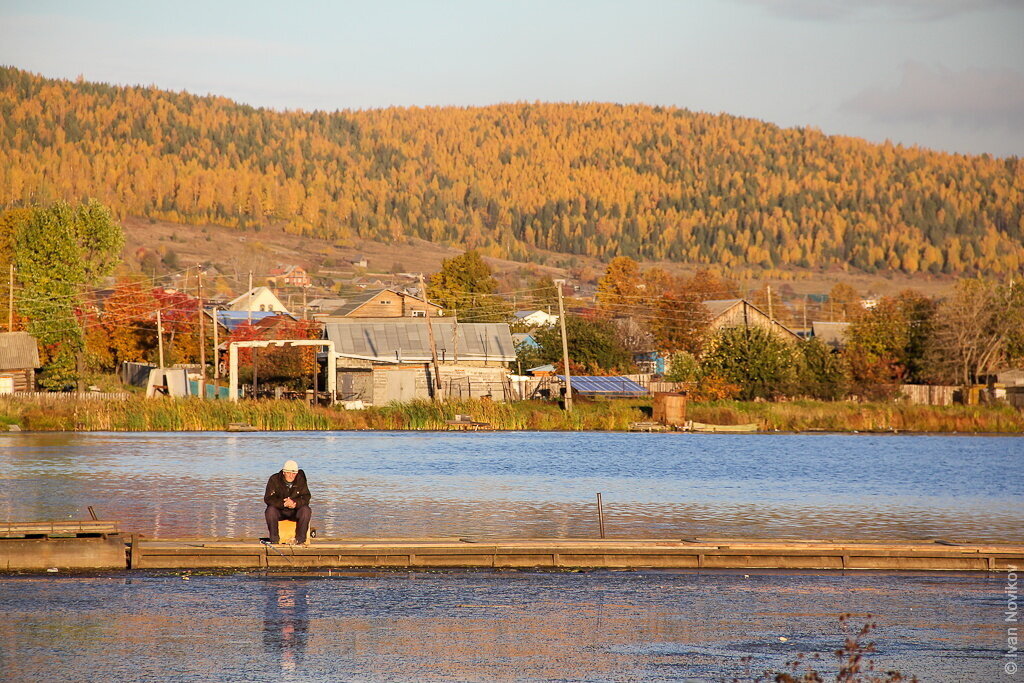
point(216, 353)
point(250, 298)
point(455, 340)
point(565, 353)
point(805, 314)
point(160, 337)
point(202, 336)
point(10, 302)
point(304, 303)
point(433, 347)
point(771, 316)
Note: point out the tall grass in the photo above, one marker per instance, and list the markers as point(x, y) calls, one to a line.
point(165, 414)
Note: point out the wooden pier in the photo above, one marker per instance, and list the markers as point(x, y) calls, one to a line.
point(38, 546)
point(35, 547)
point(579, 554)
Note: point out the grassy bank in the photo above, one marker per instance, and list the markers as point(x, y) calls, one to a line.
point(140, 414)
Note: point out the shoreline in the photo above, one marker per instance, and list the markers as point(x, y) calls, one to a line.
point(62, 413)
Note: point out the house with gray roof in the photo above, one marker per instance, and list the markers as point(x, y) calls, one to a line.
point(728, 313)
point(19, 360)
point(382, 360)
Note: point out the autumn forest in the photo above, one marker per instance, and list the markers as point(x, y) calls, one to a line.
point(601, 180)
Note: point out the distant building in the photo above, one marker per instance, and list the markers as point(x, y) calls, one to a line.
point(535, 318)
point(19, 359)
point(650, 362)
point(382, 303)
point(830, 333)
point(525, 339)
point(729, 313)
point(258, 299)
point(383, 360)
point(869, 304)
point(290, 276)
point(229, 321)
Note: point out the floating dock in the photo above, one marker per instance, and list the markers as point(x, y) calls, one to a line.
point(39, 546)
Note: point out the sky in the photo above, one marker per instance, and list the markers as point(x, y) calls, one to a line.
point(944, 74)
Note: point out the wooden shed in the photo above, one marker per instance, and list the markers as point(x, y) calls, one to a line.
point(19, 359)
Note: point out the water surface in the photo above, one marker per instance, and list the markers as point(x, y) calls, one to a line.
point(486, 626)
point(529, 484)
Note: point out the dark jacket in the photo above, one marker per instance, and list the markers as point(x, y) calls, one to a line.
point(278, 489)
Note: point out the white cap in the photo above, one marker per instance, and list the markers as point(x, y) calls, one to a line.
point(290, 466)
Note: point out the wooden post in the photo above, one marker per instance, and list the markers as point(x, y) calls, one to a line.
point(80, 370)
point(160, 337)
point(10, 302)
point(436, 393)
point(202, 337)
point(565, 353)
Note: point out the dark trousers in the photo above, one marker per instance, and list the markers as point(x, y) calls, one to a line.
point(300, 515)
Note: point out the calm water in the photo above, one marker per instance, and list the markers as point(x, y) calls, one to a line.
point(600, 626)
point(529, 484)
point(481, 626)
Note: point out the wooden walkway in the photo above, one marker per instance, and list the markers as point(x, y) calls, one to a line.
point(39, 546)
point(577, 554)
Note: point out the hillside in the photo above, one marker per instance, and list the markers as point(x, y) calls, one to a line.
point(597, 180)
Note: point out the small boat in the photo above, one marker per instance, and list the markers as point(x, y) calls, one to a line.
point(692, 426)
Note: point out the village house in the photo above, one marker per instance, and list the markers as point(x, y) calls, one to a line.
point(729, 313)
point(290, 276)
point(382, 303)
point(257, 299)
point(229, 321)
point(831, 334)
point(382, 360)
point(535, 318)
point(19, 359)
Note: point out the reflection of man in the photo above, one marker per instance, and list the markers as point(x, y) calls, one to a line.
point(286, 623)
point(287, 497)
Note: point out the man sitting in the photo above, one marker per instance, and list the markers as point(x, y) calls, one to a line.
point(287, 497)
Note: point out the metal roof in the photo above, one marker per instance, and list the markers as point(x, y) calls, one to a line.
point(604, 385)
point(18, 351)
point(233, 319)
point(719, 306)
point(407, 339)
point(525, 338)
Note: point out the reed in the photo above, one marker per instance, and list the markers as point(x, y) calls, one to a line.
point(134, 414)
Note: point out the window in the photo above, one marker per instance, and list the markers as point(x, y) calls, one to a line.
point(385, 302)
point(419, 314)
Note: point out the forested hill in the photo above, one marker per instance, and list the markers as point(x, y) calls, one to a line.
point(594, 179)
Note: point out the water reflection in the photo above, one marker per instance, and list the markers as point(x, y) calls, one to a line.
point(286, 624)
point(485, 626)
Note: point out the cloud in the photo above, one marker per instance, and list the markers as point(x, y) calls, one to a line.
point(970, 98)
point(905, 10)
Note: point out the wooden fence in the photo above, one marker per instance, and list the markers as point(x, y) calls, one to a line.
point(928, 395)
point(72, 395)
